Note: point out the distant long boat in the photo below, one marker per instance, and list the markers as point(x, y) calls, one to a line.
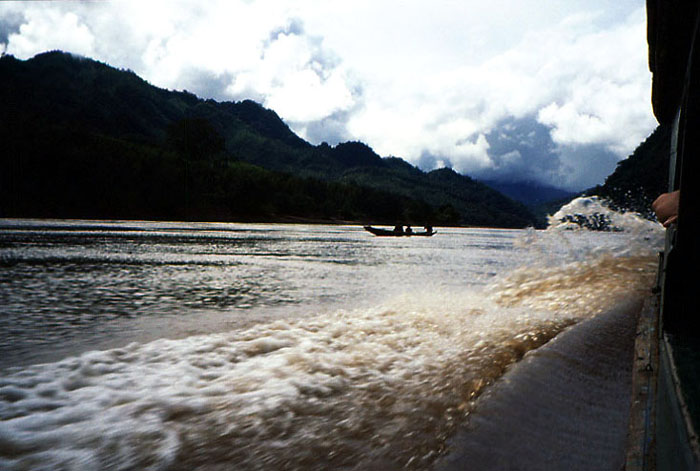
point(391, 233)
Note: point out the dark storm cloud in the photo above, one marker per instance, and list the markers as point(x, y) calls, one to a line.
point(10, 24)
point(332, 129)
point(585, 166)
point(428, 161)
point(523, 150)
point(207, 84)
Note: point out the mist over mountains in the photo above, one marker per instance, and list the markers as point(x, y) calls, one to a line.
point(529, 193)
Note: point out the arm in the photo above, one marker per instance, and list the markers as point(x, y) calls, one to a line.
point(666, 207)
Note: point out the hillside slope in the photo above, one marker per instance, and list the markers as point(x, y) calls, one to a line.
point(84, 139)
point(639, 179)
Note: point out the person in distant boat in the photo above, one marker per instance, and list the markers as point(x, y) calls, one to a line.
point(429, 229)
point(409, 231)
point(398, 229)
point(666, 207)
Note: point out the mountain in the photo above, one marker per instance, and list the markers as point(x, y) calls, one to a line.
point(529, 193)
point(632, 186)
point(541, 200)
point(83, 139)
point(639, 179)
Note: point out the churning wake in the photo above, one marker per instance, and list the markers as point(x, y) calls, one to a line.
point(373, 388)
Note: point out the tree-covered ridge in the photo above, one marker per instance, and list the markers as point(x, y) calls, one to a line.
point(639, 179)
point(82, 139)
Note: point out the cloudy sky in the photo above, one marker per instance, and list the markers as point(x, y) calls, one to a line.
point(555, 92)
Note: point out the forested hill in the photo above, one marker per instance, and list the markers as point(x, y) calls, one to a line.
point(83, 139)
point(530, 194)
point(639, 179)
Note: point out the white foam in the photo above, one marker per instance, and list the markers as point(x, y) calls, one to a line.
point(348, 389)
point(592, 209)
point(359, 380)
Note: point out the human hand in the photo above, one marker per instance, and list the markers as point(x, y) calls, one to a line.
point(666, 207)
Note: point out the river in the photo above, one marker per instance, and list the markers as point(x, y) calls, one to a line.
point(152, 345)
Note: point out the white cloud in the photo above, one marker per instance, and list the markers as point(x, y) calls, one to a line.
point(606, 96)
point(408, 77)
point(60, 30)
point(590, 86)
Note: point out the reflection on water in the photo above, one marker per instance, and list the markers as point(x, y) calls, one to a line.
point(321, 347)
point(67, 286)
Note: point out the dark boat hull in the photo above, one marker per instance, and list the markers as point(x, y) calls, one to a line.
point(390, 233)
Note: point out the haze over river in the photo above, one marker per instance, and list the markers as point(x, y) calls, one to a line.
point(139, 345)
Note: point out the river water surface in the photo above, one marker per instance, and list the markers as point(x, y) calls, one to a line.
point(134, 345)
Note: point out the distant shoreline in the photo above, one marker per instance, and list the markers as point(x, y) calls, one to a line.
point(281, 220)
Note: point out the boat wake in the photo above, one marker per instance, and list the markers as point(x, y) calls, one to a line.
point(374, 388)
point(382, 387)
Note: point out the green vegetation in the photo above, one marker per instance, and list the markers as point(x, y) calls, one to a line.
point(639, 179)
point(84, 140)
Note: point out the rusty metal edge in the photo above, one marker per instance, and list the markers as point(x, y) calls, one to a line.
point(641, 442)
